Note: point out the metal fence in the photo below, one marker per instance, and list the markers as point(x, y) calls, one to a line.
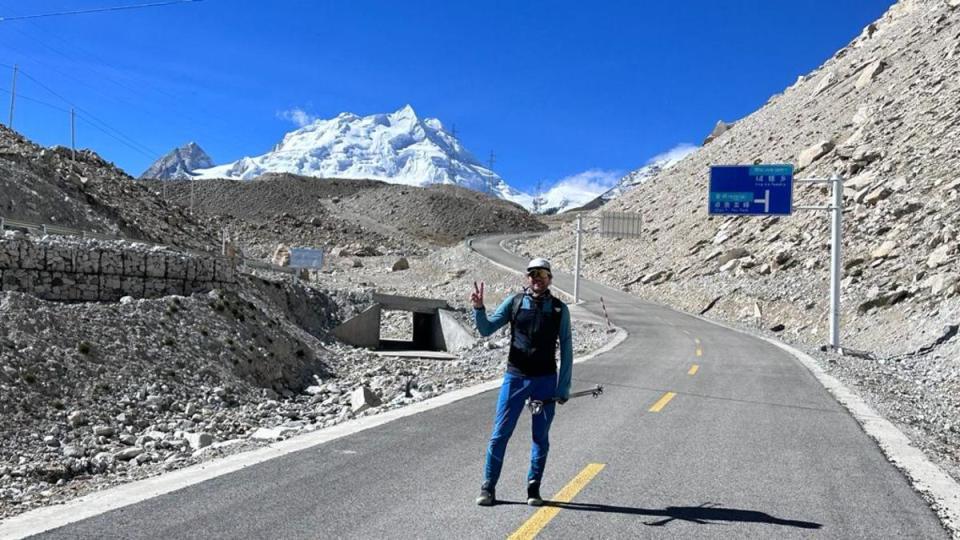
point(41, 228)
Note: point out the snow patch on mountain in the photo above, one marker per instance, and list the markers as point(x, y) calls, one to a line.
point(653, 167)
point(398, 147)
point(576, 190)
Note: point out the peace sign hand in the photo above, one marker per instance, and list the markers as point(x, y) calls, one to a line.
point(477, 296)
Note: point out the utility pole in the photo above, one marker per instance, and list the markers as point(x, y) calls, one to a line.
point(13, 96)
point(491, 161)
point(576, 264)
point(73, 133)
point(453, 131)
point(538, 200)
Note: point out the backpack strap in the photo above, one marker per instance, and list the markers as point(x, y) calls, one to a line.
point(558, 306)
point(514, 309)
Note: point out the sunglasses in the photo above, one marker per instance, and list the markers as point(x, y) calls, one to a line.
point(539, 273)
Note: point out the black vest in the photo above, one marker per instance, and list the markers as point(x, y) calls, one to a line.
point(534, 335)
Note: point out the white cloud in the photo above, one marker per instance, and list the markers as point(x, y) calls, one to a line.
point(578, 189)
point(591, 181)
point(674, 154)
point(296, 115)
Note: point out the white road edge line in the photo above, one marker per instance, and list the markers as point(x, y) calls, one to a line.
point(87, 506)
point(936, 486)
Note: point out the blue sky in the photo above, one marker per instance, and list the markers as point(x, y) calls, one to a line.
point(556, 89)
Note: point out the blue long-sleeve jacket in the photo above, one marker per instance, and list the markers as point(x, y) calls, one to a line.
point(501, 317)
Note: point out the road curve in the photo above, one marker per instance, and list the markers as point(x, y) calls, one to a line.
point(702, 432)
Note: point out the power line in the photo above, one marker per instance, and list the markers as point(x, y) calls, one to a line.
point(72, 113)
point(143, 149)
point(87, 56)
point(47, 65)
point(185, 118)
point(121, 141)
point(96, 123)
point(37, 101)
point(96, 10)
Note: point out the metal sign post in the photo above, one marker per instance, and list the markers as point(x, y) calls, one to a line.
point(836, 230)
point(762, 190)
point(835, 258)
point(619, 224)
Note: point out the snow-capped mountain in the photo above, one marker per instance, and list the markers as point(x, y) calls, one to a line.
point(655, 166)
point(398, 147)
point(594, 188)
point(178, 164)
point(562, 198)
point(573, 192)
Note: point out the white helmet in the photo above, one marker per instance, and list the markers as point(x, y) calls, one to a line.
point(539, 263)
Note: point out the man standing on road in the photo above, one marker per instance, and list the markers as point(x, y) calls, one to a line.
point(538, 321)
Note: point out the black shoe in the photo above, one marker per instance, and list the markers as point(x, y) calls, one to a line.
point(533, 493)
point(487, 495)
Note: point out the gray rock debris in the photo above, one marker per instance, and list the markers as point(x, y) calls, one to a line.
point(362, 399)
point(870, 73)
point(813, 153)
point(897, 137)
point(198, 440)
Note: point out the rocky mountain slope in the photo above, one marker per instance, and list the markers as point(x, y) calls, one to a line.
point(364, 216)
point(883, 112)
point(178, 164)
point(398, 147)
point(96, 394)
point(83, 191)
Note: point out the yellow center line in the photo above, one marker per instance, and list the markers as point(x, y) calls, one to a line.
point(662, 402)
point(693, 370)
point(538, 521)
point(699, 351)
point(697, 340)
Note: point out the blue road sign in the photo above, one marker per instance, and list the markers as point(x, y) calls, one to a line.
point(751, 190)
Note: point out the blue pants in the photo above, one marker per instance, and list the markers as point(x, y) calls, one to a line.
point(510, 405)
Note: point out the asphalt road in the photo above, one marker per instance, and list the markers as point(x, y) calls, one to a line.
point(746, 445)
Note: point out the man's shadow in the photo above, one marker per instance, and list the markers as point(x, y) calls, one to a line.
point(705, 514)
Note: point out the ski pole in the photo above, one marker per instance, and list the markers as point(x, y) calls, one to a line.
point(536, 405)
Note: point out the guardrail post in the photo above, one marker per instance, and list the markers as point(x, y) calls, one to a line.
point(44, 228)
